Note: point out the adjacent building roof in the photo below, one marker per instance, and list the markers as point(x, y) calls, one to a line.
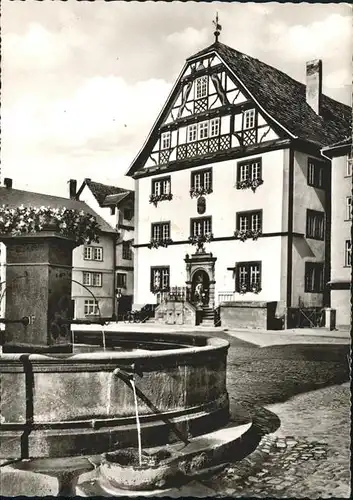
point(116, 199)
point(16, 197)
point(339, 147)
point(102, 191)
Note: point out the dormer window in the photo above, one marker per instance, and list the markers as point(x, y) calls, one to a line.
point(165, 140)
point(201, 87)
point(249, 119)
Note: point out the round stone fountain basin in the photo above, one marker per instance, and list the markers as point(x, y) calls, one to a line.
point(65, 405)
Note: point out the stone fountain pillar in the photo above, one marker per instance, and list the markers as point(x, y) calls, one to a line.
point(38, 286)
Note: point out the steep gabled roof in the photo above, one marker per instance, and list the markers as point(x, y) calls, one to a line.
point(101, 191)
point(284, 98)
point(16, 197)
point(281, 98)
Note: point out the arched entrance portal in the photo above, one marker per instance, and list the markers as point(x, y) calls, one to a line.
point(200, 270)
point(200, 288)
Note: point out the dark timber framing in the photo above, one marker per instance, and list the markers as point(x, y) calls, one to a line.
point(218, 156)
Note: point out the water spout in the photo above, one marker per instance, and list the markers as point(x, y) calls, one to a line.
point(132, 382)
point(117, 372)
point(128, 378)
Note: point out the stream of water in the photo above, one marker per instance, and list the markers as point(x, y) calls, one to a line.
point(137, 422)
point(109, 392)
point(103, 335)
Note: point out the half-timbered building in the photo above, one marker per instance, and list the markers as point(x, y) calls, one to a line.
point(116, 206)
point(232, 165)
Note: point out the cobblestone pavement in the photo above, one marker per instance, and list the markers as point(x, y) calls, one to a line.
point(312, 461)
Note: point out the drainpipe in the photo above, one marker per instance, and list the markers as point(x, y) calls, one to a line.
point(327, 272)
point(115, 312)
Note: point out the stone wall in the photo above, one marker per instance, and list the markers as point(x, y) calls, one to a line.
point(249, 315)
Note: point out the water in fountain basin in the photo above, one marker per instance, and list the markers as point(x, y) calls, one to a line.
point(137, 422)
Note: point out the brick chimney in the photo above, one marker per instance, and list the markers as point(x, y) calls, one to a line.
point(72, 188)
point(8, 183)
point(314, 84)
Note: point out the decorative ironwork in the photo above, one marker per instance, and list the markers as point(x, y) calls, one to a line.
point(176, 294)
point(155, 198)
point(242, 235)
point(218, 28)
point(253, 184)
point(159, 243)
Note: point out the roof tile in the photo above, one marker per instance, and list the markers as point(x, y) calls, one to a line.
point(100, 191)
point(284, 98)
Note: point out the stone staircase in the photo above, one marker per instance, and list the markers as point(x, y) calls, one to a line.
point(207, 317)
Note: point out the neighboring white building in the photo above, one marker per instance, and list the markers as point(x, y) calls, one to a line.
point(341, 230)
point(236, 148)
point(116, 206)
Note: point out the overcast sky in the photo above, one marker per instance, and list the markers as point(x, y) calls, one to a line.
point(82, 82)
